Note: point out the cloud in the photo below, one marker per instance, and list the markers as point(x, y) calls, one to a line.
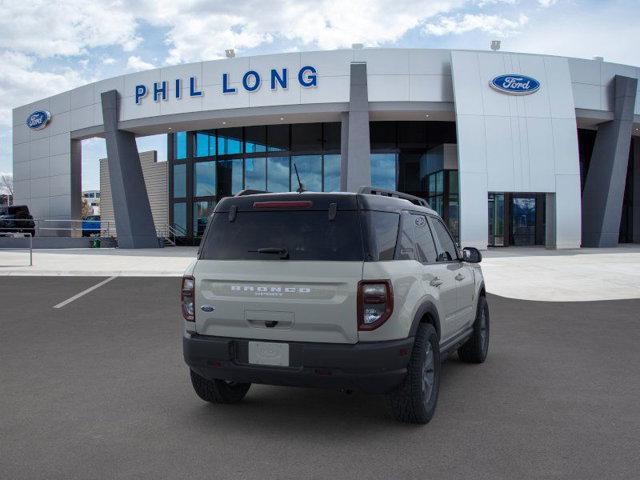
point(135, 63)
point(547, 3)
point(491, 24)
point(72, 27)
point(108, 61)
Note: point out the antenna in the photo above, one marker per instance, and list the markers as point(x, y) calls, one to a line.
point(300, 184)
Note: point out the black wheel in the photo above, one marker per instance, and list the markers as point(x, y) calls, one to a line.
point(415, 400)
point(475, 349)
point(218, 391)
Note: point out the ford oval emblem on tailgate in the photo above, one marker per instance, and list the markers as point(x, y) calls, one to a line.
point(207, 308)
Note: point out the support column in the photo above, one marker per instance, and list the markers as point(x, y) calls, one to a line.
point(356, 149)
point(636, 189)
point(131, 208)
point(604, 187)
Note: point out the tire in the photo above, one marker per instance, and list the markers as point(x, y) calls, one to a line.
point(414, 401)
point(218, 391)
point(476, 348)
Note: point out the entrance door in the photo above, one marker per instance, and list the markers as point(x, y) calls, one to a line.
point(496, 220)
point(523, 220)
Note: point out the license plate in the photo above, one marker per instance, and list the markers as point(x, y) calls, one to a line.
point(269, 353)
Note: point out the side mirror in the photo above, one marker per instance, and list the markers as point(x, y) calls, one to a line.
point(471, 255)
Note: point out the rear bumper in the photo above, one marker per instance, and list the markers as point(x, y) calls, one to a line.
point(372, 367)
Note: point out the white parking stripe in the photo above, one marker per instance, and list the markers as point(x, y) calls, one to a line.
point(84, 292)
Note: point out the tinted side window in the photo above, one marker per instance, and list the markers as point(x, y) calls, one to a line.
point(448, 252)
point(383, 233)
point(425, 247)
point(406, 249)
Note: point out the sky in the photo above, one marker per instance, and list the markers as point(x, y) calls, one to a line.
point(48, 47)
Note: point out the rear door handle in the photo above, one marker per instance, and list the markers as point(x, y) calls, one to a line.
point(459, 277)
point(436, 282)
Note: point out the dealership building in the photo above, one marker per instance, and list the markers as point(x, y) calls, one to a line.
point(511, 149)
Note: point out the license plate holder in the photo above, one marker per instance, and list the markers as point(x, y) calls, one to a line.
point(274, 354)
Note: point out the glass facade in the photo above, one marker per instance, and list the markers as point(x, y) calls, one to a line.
point(209, 165)
point(409, 157)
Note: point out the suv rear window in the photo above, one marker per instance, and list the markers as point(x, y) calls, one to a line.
point(304, 234)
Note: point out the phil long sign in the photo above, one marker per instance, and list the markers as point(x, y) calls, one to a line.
point(250, 81)
point(515, 84)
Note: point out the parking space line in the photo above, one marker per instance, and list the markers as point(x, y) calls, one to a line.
point(84, 292)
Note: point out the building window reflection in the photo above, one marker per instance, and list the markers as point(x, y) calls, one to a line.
point(222, 162)
point(384, 170)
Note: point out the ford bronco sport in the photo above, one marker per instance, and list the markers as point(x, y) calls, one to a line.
point(357, 291)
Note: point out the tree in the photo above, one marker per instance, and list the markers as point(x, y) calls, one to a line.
point(86, 208)
point(6, 183)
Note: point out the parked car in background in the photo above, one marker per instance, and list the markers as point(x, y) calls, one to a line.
point(91, 225)
point(17, 219)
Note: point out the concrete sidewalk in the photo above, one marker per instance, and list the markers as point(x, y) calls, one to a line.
point(522, 273)
point(154, 262)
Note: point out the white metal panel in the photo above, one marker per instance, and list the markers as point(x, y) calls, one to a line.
point(500, 161)
point(183, 72)
point(264, 96)
point(568, 211)
point(560, 97)
point(585, 71)
point(60, 185)
point(83, 117)
point(130, 110)
point(39, 207)
point(115, 83)
point(39, 148)
point(39, 167)
point(430, 88)
point(587, 96)
point(81, 97)
point(184, 104)
point(472, 145)
point(147, 78)
point(59, 144)
point(565, 146)
point(60, 123)
point(60, 206)
point(220, 101)
point(467, 85)
point(429, 62)
point(21, 152)
point(473, 209)
point(384, 61)
point(60, 103)
point(388, 88)
point(22, 188)
point(39, 188)
point(329, 90)
point(329, 64)
point(21, 170)
point(541, 156)
point(60, 164)
point(212, 71)
point(20, 133)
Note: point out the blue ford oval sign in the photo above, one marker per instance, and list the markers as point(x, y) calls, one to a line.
point(515, 84)
point(38, 119)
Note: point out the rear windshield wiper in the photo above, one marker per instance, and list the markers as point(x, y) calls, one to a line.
point(284, 254)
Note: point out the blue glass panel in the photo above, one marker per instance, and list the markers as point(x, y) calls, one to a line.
point(278, 174)
point(180, 217)
point(383, 170)
point(255, 139)
point(229, 141)
point(331, 173)
point(229, 177)
point(255, 173)
point(204, 179)
point(180, 146)
point(205, 144)
point(201, 211)
point(179, 180)
point(310, 171)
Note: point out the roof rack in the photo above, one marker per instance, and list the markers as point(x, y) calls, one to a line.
point(392, 193)
point(242, 193)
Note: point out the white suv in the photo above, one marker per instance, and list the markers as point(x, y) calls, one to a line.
point(363, 291)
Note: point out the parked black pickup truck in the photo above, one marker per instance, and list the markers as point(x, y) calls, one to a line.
point(17, 219)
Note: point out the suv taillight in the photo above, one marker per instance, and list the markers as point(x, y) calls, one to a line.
point(375, 303)
point(187, 294)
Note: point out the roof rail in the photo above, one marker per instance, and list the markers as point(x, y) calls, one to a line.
point(392, 193)
point(242, 193)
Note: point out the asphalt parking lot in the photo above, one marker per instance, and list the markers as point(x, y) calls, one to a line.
point(97, 389)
